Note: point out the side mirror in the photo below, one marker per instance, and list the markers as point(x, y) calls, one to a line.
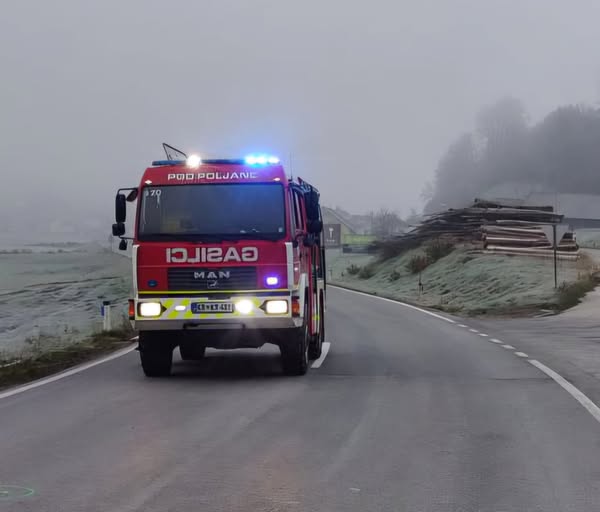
point(123, 245)
point(120, 208)
point(315, 226)
point(118, 229)
point(311, 200)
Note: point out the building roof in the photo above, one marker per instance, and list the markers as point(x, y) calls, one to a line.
point(325, 211)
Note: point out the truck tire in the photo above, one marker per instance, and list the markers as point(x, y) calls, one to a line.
point(315, 348)
point(156, 354)
point(191, 351)
point(294, 350)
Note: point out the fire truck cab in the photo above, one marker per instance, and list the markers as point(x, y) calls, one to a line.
point(226, 254)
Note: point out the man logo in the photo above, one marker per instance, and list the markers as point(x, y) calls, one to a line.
point(213, 275)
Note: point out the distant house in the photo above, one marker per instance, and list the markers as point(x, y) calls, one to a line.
point(335, 227)
point(581, 211)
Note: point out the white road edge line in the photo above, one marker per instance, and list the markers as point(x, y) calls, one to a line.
point(318, 362)
point(65, 374)
point(508, 347)
point(591, 407)
point(484, 335)
point(474, 330)
point(521, 354)
point(463, 326)
point(494, 340)
point(410, 306)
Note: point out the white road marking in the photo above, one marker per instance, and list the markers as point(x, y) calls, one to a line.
point(483, 335)
point(474, 330)
point(521, 354)
point(463, 326)
point(318, 362)
point(68, 373)
point(410, 306)
point(591, 407)
point(508, 347)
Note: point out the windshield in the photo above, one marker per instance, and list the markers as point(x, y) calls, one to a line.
point(215, 210)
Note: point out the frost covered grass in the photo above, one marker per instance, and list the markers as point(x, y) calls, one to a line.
point(340, 264)
point(40, 360)
point(570, 294)
point(471, 283)
point(49, 300)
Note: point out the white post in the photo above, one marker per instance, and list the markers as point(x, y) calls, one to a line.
point(107, 317)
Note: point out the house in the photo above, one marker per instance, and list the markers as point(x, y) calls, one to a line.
point(335, 226)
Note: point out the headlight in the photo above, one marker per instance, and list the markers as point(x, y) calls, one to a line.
point(276, 307)
point(149, 309)
point(244, 306)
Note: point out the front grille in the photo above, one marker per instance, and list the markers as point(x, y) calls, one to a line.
point(199, 279)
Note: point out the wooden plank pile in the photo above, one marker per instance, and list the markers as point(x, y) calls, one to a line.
point(495, 227)
point(527, 239)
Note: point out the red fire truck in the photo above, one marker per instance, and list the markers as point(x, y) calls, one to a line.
point(226, 254)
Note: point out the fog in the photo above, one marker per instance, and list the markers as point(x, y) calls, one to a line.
point(363, 97)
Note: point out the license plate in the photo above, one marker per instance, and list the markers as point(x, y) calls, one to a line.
point(212, 307)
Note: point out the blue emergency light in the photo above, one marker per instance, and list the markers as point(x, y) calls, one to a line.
point(261, 160)
point(253, 160)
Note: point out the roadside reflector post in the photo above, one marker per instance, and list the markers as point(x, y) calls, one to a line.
point(555, 244)
point(106, 316)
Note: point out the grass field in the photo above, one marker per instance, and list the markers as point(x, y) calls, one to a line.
point(468, 282)
point(49, 300)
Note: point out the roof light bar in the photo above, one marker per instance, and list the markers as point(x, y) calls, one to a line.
point(261, 160)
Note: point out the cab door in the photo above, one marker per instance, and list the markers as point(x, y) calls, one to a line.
point(304, 251)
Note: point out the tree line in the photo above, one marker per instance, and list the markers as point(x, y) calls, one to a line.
point(561, 154)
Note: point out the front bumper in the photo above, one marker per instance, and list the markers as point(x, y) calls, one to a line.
point(177, 315)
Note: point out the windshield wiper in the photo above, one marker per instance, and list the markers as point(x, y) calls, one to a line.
point(259, 236)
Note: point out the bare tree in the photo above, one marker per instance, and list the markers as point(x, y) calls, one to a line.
point(385, 223)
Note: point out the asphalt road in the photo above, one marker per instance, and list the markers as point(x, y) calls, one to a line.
point(407, 413)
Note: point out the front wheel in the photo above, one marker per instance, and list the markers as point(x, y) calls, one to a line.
point(294, 350)
point(156, 354)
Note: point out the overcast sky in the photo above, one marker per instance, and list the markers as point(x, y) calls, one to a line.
point(365, 96)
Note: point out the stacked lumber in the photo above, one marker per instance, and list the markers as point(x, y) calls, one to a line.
point(527, 240)
point(521, 236)
point(498, 228)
